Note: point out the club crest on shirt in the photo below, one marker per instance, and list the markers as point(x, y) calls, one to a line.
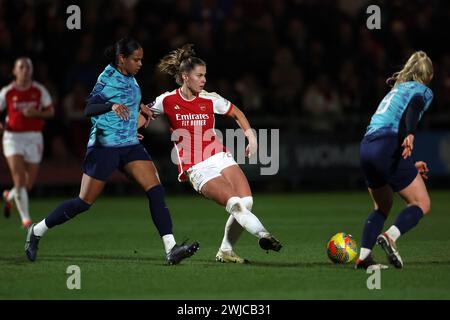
point(202, 107)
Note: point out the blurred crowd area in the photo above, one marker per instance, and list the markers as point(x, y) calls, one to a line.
point(298, 65)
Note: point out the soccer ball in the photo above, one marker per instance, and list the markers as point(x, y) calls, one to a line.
point(342, 248)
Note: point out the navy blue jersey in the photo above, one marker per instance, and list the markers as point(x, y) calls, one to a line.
point(391, 109)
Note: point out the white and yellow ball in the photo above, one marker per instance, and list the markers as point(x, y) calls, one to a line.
point(342, 248)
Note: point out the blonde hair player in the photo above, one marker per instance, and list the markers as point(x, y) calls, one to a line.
point(208, 166)
point(385, 153)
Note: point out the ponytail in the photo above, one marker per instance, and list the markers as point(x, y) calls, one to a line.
point(180, 61)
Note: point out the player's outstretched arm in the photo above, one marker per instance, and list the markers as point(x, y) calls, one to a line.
point(145, 116)
point(242, 121)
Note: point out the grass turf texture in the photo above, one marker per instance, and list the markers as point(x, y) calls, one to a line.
point(121, 256)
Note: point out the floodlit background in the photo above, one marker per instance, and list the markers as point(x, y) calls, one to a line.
point(309, 68)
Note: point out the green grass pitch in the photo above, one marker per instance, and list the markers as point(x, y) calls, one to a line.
point(121, 256)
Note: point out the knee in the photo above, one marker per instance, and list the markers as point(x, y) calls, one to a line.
point(422, 201)
point(247, 202)
point(425, 205)
point(86, 201)
point(234, 205)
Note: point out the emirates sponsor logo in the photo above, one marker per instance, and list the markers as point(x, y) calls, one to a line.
point(25, 105)
point(192, 116)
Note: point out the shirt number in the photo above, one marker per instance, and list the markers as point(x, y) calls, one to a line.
point(384, 105)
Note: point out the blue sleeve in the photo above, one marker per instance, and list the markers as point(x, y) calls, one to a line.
point(104, 91)
point(97, 109)
point(412, 114)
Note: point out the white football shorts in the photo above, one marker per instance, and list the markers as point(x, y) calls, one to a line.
point(30, 145)
point(208, 169)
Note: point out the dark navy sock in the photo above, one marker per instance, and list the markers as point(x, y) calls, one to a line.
point(372, 228)
point(66, 211)
point(160, 213)
point(408, 218)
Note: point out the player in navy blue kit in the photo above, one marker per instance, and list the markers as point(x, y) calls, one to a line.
point(387, 164)
point(114, 108)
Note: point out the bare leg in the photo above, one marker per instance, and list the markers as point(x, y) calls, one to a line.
point(418, 204)
point(32, 170)
point(90, 189)
point(416, 194)
point(144, 173)
point(238, 180)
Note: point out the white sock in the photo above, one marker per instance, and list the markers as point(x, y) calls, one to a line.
point(248, 202)
point(245, 218)
point(364, 253)
point(21, 199)
point(168, 241)
point(393, 233)
point(11, 194)
point(40, 228)
point(233, 229)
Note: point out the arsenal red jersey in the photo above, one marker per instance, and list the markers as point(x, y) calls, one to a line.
point(16, 100)
point(192, 125)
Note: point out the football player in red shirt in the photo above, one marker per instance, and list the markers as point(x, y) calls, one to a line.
point(27, 104)
point(202, 158)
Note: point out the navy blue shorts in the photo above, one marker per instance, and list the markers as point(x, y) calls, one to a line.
point(100, 162)
point(382, 162)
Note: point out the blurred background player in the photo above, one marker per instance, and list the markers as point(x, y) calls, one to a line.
point(27, 104)
point(386, 160)
point(114, 105)
point(206, 163)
